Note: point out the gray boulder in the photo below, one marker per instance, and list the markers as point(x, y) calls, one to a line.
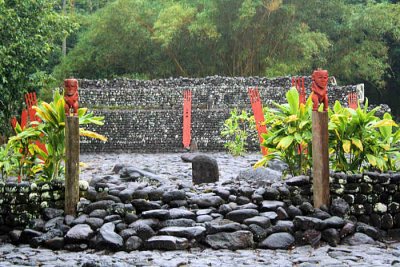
point(235, 240)
point(204, 170)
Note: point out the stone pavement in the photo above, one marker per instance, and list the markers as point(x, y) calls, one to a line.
point(362, 255)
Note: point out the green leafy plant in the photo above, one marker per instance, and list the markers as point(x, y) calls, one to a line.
point(52, 132)
point(289, 134)
point(236, 130)
point(360, 140)
point(8, 163)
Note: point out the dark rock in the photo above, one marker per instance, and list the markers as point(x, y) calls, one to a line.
point(181, 213)
point(15, 236)
point(140, 194)
point(182, 222)
point(55, 243)
point(188, 232)
point(298, 181)
point(271, 193)
point(331, 236)
point(320, 214)
point(293, 211)
point(207, 201)
point(246, 191)
point(143, 231)
point(51, 213)
point(94, 223)
point(117, 167)
point(112, 218)
point(133, 243)
point(108, 239)
point(334, 222)
point(259, 233)
point(126, 233)
point(38, 241)
point(178, 203)
point(155, 194)
point(98, 214)
point(387, 221)
point(102, 204)
point(188, 157)
point(37, 224)
point(271, 205)
point(68, 219)
point(223, 193)
point(130, 218)
point(230, 240)
point(76, 247)
point(271, 215)
point(144, 205)
point(277, 165)
point(242, 200)
point(305, 223)
point(126, 195)
point(376, 220)
point(282, 214)
point(339, 207)
point(277, 241)
point(119, 226)
point(240, 215)
point(173, 195)
point(56, 222)
point(204, 169)
point(348, 229)
point(306, 208)
point(358, 239)
point(133, 174)
point(224, 209)
point(80, 220)
point(312, 237)
point(261, 221)
point(204, 218)
point(247, 206)
point(79, 233)
point(166, 243)
point(257, 198)
point(222, 226)
point(368, 230)
point(157, 214)
point(281, 226)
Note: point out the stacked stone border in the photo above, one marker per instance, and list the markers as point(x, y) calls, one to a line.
point(146, 116)
point(365, 207)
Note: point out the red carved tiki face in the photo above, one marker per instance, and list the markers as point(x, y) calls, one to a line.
point(71, 86)
point(320, 77)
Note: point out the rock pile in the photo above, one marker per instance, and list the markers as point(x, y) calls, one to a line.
point(151, 215)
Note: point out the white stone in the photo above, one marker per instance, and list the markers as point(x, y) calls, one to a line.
point(380, 208)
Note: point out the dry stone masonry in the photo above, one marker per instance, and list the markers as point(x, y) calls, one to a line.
point(146, 116)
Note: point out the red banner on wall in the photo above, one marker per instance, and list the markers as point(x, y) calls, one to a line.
point(256, 105)
point(187, 117)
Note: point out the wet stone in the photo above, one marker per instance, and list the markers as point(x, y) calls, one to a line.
point(277, 241)
point(132, 243)
point(50, 213)
point(98, 214)
point(78, 233)
point(241, 215)
point(331, 236)
point(271, 215)
point(305, 223)
point(167, 243)
point(334, 222)
point(271, 193)
point(222, 226)
point(158, 214)
point(230, 240)
point(144, 205)
point(108, 239)
point(173, 195)
point(187, 232)
point(271, 205)
point(204, 169)
point(339, 207)
point(261, 221)
point(207, 201)
point(94, 223)
point(204, 218)
point(368, 230)
point(358, 239)
point(312, 237)
point(183, 222)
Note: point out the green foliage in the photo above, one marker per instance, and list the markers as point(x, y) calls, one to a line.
point(26, 159)
point(29, 31)
point(288, 133)
point(236, 130)
point(360, 140)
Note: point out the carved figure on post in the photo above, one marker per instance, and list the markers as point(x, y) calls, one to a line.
point(319, 89)
point(71, 96)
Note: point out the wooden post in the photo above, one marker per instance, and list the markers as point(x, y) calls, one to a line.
point(71, 164)
point(320, 158)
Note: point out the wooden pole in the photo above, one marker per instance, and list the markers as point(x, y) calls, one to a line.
point(71, 165)
point(320, 158)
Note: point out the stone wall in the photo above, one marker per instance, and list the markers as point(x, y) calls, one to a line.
point(146, 116)
point(373, 198)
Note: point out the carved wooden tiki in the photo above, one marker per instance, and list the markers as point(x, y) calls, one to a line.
point(71, 96)
point(319, 89)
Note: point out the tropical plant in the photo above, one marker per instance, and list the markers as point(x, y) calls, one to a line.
point(289, 134)
point(359, 139)
point(236, 130)
point(8, 163)
point(52, 132)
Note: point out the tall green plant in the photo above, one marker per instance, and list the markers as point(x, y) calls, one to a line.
point(52, 132)
point(236, 130)
point(289, 134)
point(360, 140)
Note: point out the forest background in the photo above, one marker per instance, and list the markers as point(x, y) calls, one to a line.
point(43, 42)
